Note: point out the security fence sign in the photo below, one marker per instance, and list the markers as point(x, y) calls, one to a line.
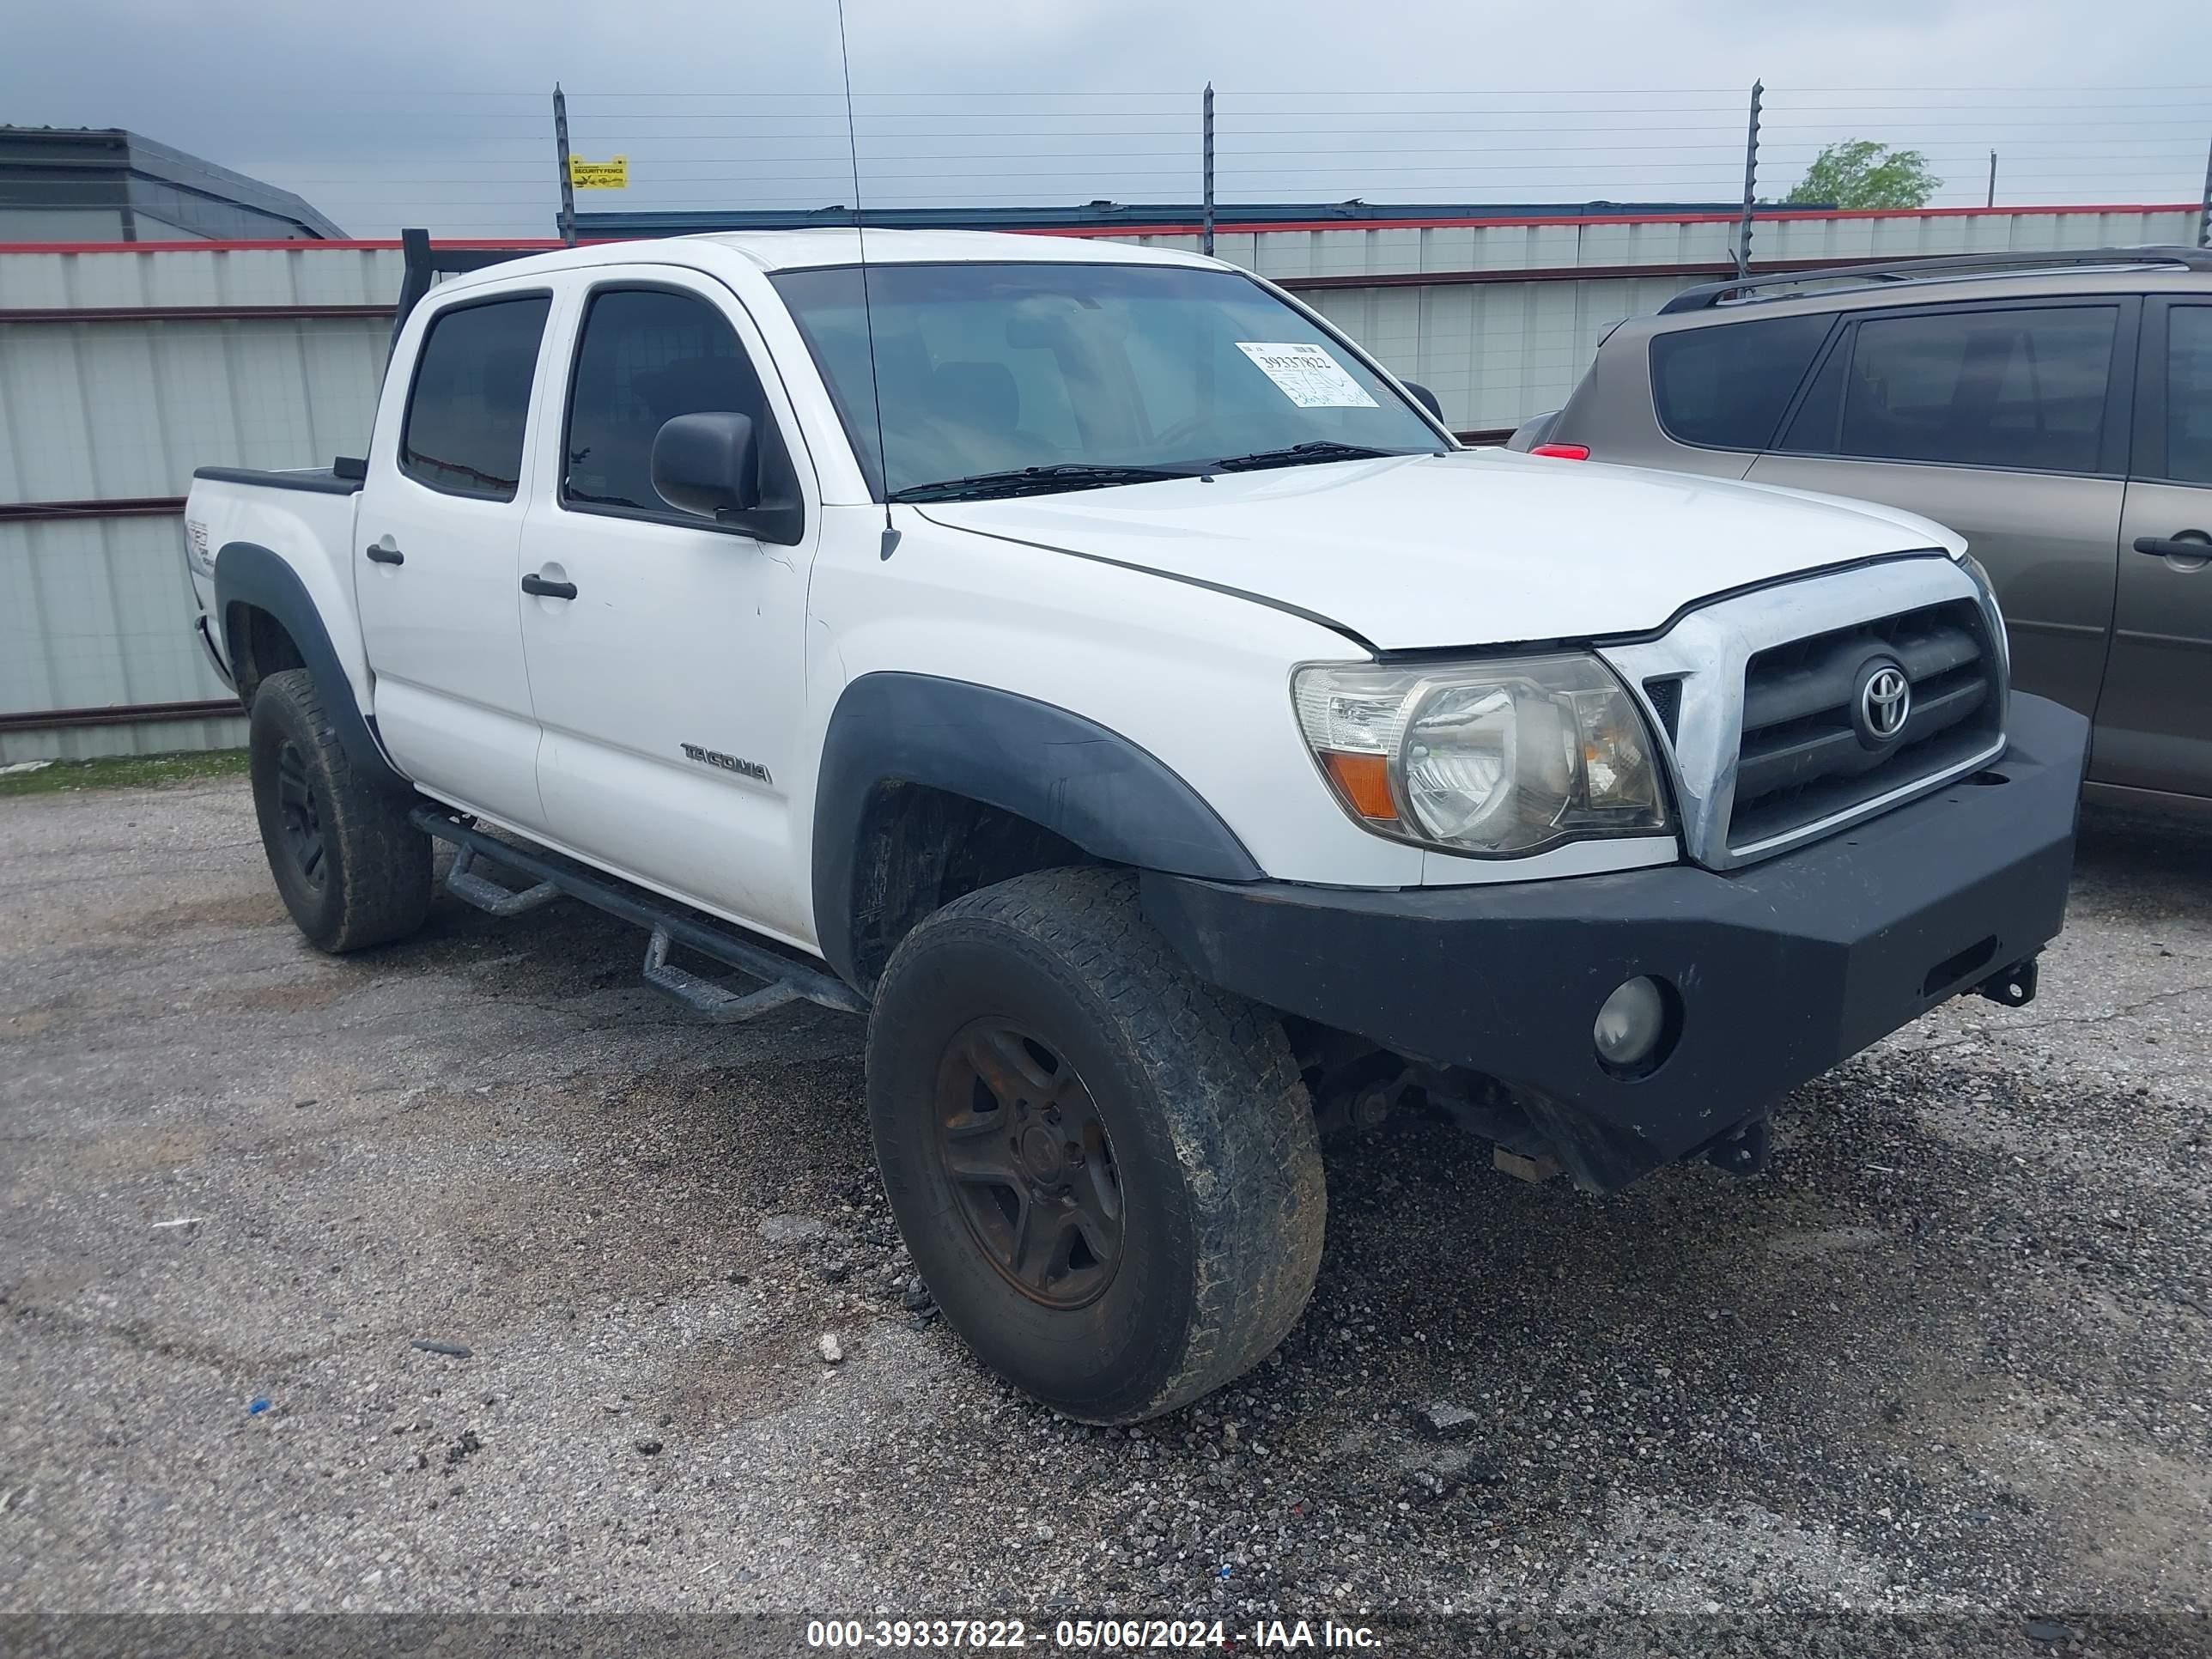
point(599, 175)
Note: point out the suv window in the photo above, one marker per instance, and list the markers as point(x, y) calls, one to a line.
point(2019, 388)
point(470, 399)
point(2188, 394)
point(1726, 386)
point(646, 356)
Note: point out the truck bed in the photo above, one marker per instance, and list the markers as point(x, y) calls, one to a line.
point(306, 517)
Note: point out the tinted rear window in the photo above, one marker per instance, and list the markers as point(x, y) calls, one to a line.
point(1726, 386)
point(2018, 387)
point(2188, 394)
point(470, 400)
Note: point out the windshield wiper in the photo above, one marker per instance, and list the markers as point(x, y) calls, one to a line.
point(1317, 449)
point(1037, 480)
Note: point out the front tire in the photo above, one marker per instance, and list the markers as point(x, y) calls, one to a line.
point(353, 871)
point(1107, 1169)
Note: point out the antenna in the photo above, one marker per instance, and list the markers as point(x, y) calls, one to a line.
point(867, 311)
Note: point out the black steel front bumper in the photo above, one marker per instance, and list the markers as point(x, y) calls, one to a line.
point(1781, 969)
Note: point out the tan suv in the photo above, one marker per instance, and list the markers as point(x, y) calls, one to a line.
point(2055, 409)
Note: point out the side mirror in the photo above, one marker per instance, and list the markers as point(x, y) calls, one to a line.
point(1423, 396)
point(718, 464)
point(708, 463)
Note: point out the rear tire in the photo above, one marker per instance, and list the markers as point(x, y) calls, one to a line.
point(1106, 1169)
point(353, 871)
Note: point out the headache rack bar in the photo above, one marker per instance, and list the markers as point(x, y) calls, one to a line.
point(426, 264)
point(1941, 266)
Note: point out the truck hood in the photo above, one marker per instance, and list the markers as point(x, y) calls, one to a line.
point(1474, 547)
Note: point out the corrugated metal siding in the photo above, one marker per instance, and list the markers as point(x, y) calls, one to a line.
point(95, 611)
point(308, 274)
point(95, 411)
point(1391, 250)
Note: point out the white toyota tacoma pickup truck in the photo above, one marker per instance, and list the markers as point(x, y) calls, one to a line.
point(1092, 665)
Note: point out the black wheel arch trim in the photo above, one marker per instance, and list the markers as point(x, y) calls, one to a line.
point(247, 574)
point(1109, 796)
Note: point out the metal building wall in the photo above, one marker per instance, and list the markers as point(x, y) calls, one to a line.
point(122, 369)
point(120, 372)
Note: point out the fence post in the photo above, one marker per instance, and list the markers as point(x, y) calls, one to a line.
point(1992, 201)
point(2204, 210)
point(1750, 184)
point(1206, 234)
point(568, 182)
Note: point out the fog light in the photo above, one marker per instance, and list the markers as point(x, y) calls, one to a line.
point(1631, 1023)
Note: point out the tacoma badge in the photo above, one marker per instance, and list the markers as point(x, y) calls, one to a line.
point(744, 768)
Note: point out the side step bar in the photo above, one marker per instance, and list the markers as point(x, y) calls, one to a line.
point(784, 979)
point(462, 882)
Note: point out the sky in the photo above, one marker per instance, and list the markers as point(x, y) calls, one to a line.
point(440, 113)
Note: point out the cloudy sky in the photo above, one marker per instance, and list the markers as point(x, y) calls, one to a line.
point(439, 113)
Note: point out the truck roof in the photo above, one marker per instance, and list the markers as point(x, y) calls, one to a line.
point(793, 250)
point(786, 250)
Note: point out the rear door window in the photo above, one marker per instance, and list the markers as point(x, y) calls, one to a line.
point(470, 404)
point(2188, 394)
point(1726, 386)
point(2017, 387)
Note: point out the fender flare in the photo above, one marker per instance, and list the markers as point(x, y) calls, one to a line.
point(246, 572)
point(1088, 784)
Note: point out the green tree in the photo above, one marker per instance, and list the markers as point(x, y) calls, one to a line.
point(1859, 172)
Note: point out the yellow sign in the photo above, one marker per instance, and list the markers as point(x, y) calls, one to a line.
point(599, 175)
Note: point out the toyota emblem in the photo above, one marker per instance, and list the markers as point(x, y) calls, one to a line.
point(1885, 703)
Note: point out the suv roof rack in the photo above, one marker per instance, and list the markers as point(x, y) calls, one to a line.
point(1941, 266)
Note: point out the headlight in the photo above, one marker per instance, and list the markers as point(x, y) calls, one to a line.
point(1494, 758)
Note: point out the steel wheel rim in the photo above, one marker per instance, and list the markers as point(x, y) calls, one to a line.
point(301, 814)
point(1031, 1169)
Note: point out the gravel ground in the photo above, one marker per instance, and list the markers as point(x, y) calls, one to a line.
point(1949, 1356)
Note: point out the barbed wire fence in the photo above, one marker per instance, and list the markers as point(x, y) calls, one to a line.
point(486, 165)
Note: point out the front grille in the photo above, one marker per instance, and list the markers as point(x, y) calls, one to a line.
point(1804, 756)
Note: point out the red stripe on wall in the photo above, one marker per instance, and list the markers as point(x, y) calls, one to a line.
point(1226, 224)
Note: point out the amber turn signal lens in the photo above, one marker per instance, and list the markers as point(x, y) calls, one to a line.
point(1364, 781)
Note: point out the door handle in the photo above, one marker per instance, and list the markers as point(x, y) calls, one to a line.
point(536, 584)
point(378, 554)
point(2189, 545)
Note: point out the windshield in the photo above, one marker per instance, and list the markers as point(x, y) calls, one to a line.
point(1098, 371)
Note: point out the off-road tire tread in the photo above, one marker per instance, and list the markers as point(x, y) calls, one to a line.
point(381, 862)
point(1237, 1111)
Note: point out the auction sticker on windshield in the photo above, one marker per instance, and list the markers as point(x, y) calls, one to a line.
point(1308, 375)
